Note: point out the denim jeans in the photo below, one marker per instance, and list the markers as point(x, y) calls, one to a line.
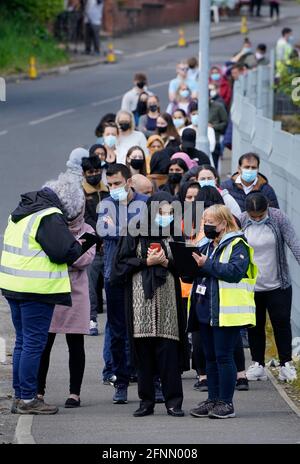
point(219, 344)
point(115, 298)
point(31, 320)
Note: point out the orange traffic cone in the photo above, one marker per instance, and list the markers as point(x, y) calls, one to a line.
point(111, 56)
point(32, 72)
point(181, 40)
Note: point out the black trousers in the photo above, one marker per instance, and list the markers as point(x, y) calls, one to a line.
point(76, 362)
point(198, 357)
point(92, 37)
point(274, 7)
point(278, 303)
point(256, 3)
point(158, 355)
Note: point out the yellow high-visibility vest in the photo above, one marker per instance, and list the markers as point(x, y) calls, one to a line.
point(24, 266)
point(237, 305)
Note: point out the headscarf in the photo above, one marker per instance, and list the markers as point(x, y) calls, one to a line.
point(74, 162)
point(188, 161)
point(153, 138)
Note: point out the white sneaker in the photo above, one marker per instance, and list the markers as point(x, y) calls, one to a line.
point(287, 372)
point(94, 328)
point(256, 372)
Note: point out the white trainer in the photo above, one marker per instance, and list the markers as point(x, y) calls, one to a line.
point(287, 372)
point(256, 372)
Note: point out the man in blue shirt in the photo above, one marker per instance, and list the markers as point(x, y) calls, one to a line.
point(182, 77)
point(118, 212)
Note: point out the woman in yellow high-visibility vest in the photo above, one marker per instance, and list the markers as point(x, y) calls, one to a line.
point(223, 300)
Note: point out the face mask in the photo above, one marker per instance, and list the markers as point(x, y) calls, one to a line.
point(194, 119)
point(137, 163)
point(124, 126)
point(163, 221)
point(291, 39)
point(153, 108)
point(210, 231)
point(258, 56)
point(215, 76)
point(119, 194)
point(175, 177)
point(110, 140)
point(213, 93)
point(261, 222)
point(247, 50)
point(94, 180)
point(141, 84)
point(207, 183)
point(104, 165)
point(249, 175)
point(184, 93)
point(178, 122)
point(162, 129)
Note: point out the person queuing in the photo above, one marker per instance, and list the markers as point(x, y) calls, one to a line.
point(208, 176)
point(153, 303)
point(167, 131)
point(182, 99)
point(110, 140)
point(95, 191)
point(180, 120)
point(141, 108)
point(100, 151)
point(128, 136)
point(227, 275)
point(147, 122)
point(193, 109)
point(136, 161)
point(131, 98)
point(142, 185)
point(154, 143)
point(216, 77)
point(177, 167)
point(112, 214)
point(218, 118)
point(37, 227)
point(107, 118)
point(248, 179)
point(268, 231)
point(182, 69)
point(73, 321)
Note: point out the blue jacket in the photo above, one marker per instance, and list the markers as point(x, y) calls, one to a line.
point(212, 271)
point(262, 186)
point(121, 216)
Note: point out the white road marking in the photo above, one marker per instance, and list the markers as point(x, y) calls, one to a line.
point(3, 132)
point(51, 116)
point(107, 100)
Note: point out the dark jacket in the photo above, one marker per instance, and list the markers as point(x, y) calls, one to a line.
point(196, 155)
point(262, 186)
point(218, 118)
point(213, 270)
point(160, 161)
point(93, 196)
point(111, 236)
point(54, 237)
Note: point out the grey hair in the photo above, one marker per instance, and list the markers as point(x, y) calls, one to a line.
point(69, 190)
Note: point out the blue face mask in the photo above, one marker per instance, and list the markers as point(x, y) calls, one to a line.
point(163, 221)
point(184, 93)
point(261, 222)
point(249, 175)
point(207, 183)
point(215, 76)
point(178, 122)
point(247, 50)
point(119, 194)
point(194, 119)
point(110, 140)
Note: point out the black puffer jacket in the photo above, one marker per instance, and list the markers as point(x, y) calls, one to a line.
point(54, 237)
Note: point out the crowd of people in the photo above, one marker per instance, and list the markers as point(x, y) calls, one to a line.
point(117, 221)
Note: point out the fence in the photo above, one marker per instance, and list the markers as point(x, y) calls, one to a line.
point(254, 130)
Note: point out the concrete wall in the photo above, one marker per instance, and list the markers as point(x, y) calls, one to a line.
point(279, 152)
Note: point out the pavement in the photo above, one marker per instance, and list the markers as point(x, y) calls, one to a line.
point(141, 43)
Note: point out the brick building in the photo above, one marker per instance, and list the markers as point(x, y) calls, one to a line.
point(122, 16)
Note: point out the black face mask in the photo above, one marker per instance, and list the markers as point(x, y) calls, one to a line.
point(137, 163)
point(175, 177)
point(124, 126)
point(94, 180)
point(210, 231)
point(153, 108)
point(141, 84)
point(141, 107)
point(104, 166)
point(162, 129)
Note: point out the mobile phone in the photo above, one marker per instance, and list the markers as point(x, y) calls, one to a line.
point(155, 246)
point(90, 240)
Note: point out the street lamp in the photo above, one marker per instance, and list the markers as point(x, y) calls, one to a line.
point(204, 45)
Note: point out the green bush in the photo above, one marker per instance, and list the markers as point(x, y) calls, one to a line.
point(40, 10)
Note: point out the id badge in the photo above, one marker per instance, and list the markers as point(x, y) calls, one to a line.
point(201, 289)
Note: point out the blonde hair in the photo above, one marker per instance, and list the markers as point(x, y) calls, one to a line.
point(128, 113)
point(222, 213)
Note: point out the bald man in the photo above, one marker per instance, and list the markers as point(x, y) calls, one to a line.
point(141, 184)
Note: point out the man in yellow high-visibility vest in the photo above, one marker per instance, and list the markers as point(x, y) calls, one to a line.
point(37, 250)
